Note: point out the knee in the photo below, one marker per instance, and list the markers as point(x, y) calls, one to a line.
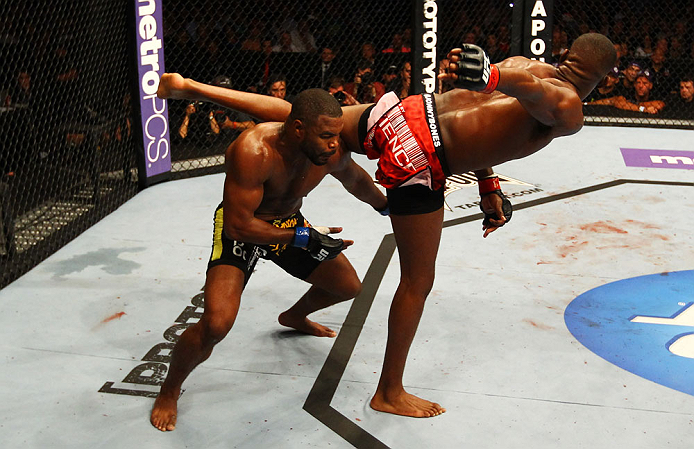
point(216, 328)
point(352, 288)
point(419, 283)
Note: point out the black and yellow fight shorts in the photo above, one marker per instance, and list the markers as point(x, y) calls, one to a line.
point(243, 255)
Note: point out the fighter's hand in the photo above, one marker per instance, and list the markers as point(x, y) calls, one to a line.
point(171, 86)
point(320, 245)
point(497, 211)
point(469, 68)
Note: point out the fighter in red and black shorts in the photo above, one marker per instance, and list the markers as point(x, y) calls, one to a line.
point(243, 255)
point(404, 136)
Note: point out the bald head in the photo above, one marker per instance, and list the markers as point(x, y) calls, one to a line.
point(312, 103)
point(596, 51)
point(587, 62)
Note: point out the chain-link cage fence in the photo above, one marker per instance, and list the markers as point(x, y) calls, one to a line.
point(277, 48)
point(651, 84)
point(66, 150)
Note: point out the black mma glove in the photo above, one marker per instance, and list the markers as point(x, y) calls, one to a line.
point(320, 246)
point(474, 70)
point(490, 186)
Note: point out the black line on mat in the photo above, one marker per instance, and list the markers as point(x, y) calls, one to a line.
point(324, 388)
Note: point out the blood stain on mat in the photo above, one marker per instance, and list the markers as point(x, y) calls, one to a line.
point(113, 317)
point(603, 228)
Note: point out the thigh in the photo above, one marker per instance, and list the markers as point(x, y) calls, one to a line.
point(418, 238)
point(223, 288)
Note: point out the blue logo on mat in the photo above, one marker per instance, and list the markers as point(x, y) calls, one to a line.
point(643, 324)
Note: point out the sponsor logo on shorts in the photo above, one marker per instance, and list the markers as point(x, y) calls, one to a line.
point(431, 119)
point(634, 157)
point(644, 325)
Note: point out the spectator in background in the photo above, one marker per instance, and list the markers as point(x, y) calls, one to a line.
point(401, 84)
point(681, 105)
point(326, 69)
point(493, 50)
point(367, 55)
point(365, 88)
point(19, 94)
point(629, 74)
point(253, 41)
point(470, 38)
point(644, 41)
point(285, 45)
point(605, 92)
point(390, 73)
point(618, 48)
point(277, 87)
point(204, 123)
point(662, 79)
point(407, 40)
point(640, 99)
point(302, 38)
point(397, 45)
point(336, 88)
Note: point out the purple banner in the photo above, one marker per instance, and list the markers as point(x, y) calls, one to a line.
point(634, 157)
point(150, 64)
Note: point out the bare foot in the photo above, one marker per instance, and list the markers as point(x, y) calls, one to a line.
point(407, 405)
point(164, 413)
point(171, 85)
point(303, 324)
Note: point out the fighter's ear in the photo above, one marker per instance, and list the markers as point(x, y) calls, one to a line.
point(298, 128)
point(564, 55)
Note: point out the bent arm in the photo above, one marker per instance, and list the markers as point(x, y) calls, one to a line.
point(246, 171)
point(263, 107)
point(357, 182)
point(551, 105)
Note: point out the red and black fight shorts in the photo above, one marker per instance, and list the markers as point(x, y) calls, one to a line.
point(243, 255)
point(405, 138)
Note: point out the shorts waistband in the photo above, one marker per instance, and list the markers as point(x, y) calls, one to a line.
point(435, 131)
point(362, 129)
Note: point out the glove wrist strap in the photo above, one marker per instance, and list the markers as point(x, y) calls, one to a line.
point(300, 237)
point(493, 79)
point(489, 185)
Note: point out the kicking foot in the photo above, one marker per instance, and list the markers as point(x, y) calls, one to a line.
point(407, 405)
point(164, 413)
point(303, 324)
point(171, 85)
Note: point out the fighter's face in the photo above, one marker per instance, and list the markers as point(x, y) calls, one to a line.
point(642, 86)
point(322, 139)
point(687, 90)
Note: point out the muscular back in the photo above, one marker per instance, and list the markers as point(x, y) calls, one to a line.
point(483, 130)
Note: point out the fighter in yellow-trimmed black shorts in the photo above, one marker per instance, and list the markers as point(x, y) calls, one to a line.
point(243, 255)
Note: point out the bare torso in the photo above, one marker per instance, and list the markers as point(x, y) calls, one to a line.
point(289, 178)
point(482, 130)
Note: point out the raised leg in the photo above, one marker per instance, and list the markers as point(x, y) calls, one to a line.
point(223, 289)
point(417, 238)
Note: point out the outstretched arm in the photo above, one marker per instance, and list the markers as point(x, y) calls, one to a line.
point(263, 107)
point(357, 182)
point(549, 102)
